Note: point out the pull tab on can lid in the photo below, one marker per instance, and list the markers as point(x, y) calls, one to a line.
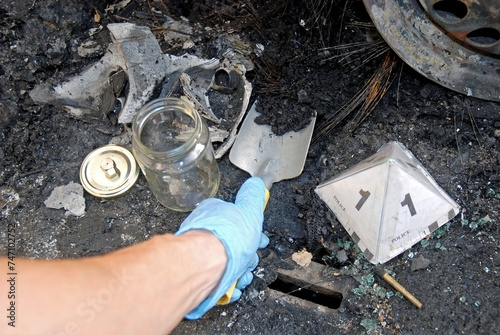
point(109, 171)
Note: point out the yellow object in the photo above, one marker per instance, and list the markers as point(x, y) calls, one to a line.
point(268, 195)
point(399, 288)
point(226, 298)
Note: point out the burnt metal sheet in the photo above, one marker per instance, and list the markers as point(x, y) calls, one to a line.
point(313, 278)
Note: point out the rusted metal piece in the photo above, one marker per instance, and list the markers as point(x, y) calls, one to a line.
point(312, 277)
point(300, 303)
point(473, 22)
point(430, 50)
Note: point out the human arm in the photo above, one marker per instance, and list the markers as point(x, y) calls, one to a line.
point(146, 288)
point(143, 289)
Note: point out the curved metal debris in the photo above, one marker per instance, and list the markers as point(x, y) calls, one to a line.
point(133, 53)
point(429, 50)
point(135, 56)
point(473, 22)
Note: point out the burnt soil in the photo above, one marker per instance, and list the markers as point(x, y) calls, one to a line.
point(455, 137)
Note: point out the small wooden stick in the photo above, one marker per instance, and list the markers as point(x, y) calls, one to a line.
point(385, 276)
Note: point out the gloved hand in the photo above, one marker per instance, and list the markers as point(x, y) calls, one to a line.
point(239, 227)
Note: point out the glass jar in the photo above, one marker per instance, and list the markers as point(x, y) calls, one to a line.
point(171, 144)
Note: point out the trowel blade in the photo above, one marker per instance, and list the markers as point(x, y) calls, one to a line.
point(261, 153)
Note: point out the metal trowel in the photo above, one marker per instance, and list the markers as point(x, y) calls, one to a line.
point(263, 154)
point(273, 158)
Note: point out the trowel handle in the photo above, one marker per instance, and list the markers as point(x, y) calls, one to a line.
point(226, 298)
point(268, 195)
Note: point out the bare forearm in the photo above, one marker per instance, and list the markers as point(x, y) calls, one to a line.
point(146, 288)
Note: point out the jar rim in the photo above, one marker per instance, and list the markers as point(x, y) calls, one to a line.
point(158, 105)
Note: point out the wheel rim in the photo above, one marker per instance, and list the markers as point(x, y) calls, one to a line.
point(438, 44)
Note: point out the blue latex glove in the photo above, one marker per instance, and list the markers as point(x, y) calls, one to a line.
point(239, 227)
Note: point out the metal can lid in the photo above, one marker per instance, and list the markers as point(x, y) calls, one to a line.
point(109, 171)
